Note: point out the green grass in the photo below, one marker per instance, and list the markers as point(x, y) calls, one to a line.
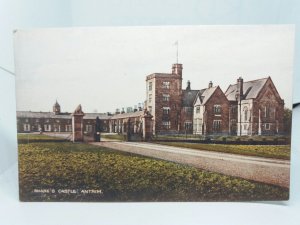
point(125, 177)
point(268, 151)
point(31, 136)
point(113, 136)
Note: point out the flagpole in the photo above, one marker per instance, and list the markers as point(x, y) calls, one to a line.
point(177, 53)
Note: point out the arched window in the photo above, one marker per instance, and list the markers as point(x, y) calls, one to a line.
point(267, 110)
point(245, 113)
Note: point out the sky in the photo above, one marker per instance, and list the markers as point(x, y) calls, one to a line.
point(105, 68)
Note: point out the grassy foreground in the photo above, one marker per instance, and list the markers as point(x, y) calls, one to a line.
point(268, 151)
point(124, 177)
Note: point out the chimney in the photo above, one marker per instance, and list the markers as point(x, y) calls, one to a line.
point(135, 109)
point(123, 111)
point(177, 69)
point(140, 107)
point(117, 111)
point(188, 86)
point(210, 84)
point(239, 89)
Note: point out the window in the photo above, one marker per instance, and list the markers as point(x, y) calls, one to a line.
point(26, 127)
point(217, 109)
point(150, 109)
point(233, 109)
point(245, 113)
point(47, 127)
point(166, 98)
point(198, 109)
point(166, 110)
point(166, 85)
point(166, 124)
point(188, 126)
point(150, 98)
point(56, 128)
point(68, 128)
point(188, 109)
point(89, 128)
point(37, 120)
point(267, 126)
point(150, 86)
point(267, 111)
point(216, 125)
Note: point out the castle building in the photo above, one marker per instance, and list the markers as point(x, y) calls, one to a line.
point(246, 108)
point(256, 108)
point(211, 109)
point(57, 121)
point(164, 94)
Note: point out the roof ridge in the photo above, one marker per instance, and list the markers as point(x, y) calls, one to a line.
point(265, 78)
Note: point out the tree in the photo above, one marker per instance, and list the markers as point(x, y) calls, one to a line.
point(287, 120)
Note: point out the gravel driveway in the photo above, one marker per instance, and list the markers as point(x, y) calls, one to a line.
point(271, 171)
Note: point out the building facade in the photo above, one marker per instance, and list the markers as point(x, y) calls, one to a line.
point(246, 108)
point(256, 108)
point(164, 94)
point(211, 112)
point(57, 121)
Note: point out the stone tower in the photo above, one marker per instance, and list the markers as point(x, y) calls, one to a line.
point(164, 93)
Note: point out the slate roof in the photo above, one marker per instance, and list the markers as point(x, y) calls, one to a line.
point(206, 93)
point(251, 89)
point(51, 115)
point(188, 97)
point(127, 115)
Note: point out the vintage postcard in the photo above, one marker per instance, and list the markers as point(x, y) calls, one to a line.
point(166, 113)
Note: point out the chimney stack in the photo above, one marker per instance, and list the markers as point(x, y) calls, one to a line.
point(210, 84)
point(188, 86)
point(239, 89)
point(117, 111)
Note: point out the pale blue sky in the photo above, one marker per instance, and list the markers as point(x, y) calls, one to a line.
point(105, 68)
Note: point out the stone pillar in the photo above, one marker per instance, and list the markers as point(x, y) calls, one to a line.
point(77, 124)
point(147, 126)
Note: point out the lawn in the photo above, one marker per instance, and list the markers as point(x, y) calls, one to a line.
point(268, 151)
point(124, 177)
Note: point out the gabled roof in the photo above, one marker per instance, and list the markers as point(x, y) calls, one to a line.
point(188, 97)
point(251, 89)
point(205, 94)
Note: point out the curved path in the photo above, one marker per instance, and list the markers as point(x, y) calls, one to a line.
point(266, 170)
